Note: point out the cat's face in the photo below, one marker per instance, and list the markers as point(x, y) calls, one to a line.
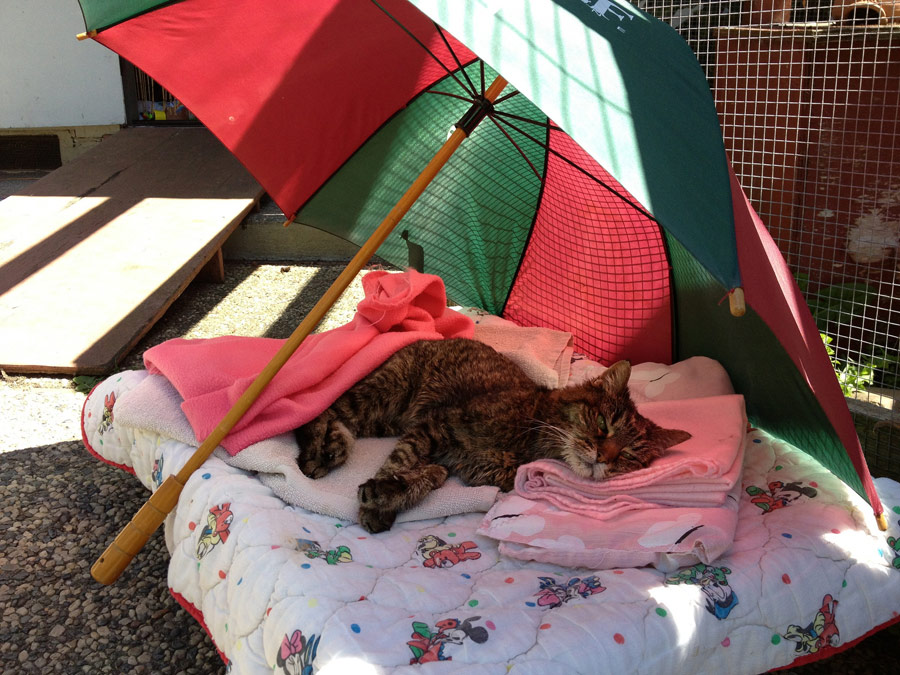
point(604, 434)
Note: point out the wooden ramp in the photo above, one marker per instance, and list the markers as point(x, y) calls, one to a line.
point(93, 254)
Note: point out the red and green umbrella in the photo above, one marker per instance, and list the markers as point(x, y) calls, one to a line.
point(592, 194)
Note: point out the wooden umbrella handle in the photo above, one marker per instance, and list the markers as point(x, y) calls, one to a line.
point(133, 537)
point(151, 515)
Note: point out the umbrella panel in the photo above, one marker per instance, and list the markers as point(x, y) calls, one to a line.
point(100, 14)
point(758, 365)
point(522, 222)
point(474, 218)
point(596, 264)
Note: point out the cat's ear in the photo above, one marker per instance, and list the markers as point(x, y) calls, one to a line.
point(614, 379)
point(666, 438)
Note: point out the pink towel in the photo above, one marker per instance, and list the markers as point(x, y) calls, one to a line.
point(699, 472)
point(665, 537)
point(398, 309)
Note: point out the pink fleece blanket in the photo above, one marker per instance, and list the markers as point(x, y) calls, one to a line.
point(211, 374)
point(696, 473)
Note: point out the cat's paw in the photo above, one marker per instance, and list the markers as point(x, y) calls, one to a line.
point(375, 521)
point(383, 497)
point(377, 503)
point(323, 447)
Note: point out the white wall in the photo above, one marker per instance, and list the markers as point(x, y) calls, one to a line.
point(47, 77)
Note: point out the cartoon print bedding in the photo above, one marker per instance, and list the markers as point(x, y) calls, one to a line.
point(282, 589)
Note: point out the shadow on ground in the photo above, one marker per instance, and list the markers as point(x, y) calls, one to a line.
point(62, 507)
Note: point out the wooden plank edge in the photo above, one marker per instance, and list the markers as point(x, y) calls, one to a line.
point(110, 366)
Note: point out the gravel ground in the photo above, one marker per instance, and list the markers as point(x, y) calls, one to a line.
point(61, 508)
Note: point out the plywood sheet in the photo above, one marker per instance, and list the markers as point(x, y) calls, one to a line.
point(92, 254)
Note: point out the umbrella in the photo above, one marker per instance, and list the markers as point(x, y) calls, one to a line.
point(592, 192)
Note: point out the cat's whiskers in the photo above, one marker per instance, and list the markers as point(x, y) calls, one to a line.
point(525, 430)
point(559, 432)
point(528, 429)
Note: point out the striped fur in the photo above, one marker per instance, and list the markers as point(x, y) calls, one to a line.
point(460, 408)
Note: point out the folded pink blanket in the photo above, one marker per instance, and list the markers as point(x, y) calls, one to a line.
point(699, 472)
point(398, 309)
point(667, 537)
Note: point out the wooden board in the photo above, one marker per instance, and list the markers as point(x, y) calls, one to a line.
point(93, 254)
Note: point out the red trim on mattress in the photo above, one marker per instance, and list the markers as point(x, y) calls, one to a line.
point(198, 616)
point(827, 653)
point(87, 445)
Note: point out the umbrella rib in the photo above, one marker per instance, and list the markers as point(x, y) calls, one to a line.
point(455, 58)
point(516, 146)
point(507, 97)
point(447, 93)
point(481, 67)
point(543, 125)
point(422, 45)
point(587, 173)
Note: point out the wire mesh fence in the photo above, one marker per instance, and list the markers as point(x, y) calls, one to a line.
point(807, 93)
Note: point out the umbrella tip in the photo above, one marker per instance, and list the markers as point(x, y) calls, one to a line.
point(736, 302)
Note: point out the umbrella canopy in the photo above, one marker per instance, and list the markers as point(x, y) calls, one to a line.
point(594, 196)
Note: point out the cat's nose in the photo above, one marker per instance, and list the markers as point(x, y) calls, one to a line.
point(609, 450)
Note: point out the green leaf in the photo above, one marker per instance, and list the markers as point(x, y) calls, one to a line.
point(840, 303)
point(85, 383)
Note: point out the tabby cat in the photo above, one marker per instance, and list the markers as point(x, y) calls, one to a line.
point(460, 407)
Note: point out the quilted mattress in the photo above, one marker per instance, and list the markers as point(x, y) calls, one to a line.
point(282, 589)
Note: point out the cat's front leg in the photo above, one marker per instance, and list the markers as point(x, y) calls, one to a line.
point(382, 498)
point(403, 481)
point(493, 467)
point(324, 444)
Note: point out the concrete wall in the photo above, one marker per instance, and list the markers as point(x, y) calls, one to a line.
point(48, 79)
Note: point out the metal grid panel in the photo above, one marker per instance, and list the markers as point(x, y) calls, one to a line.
point(807, 93)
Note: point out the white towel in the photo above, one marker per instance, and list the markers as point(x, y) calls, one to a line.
point(543, 353)
point(155, 406)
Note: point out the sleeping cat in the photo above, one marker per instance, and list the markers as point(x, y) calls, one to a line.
point(460, 407)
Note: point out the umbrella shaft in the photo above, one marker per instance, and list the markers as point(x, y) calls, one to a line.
point(127, 544)
point(317, 313)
